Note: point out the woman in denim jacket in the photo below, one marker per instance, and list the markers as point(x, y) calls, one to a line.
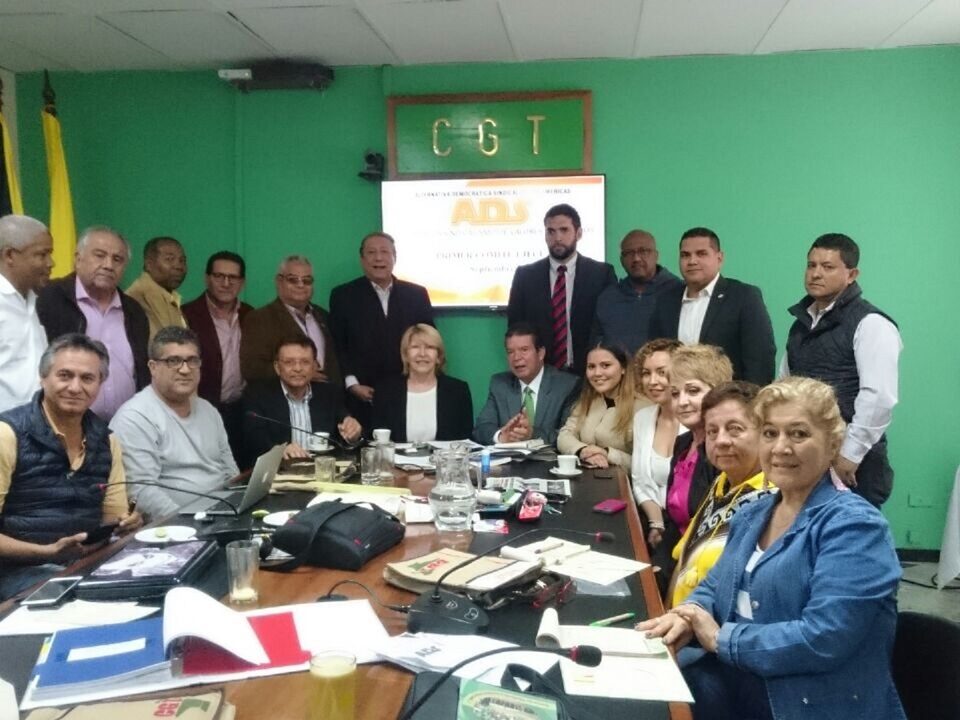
point(797, 618)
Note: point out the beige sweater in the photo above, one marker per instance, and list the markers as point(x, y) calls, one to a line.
point(598, 428)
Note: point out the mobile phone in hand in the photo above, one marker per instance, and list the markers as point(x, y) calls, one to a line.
point(100, 534)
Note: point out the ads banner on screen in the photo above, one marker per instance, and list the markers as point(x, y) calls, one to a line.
point(463, 239)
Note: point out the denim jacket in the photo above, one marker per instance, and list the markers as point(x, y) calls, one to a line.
point(823, 597)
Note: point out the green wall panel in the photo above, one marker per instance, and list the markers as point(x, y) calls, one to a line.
point(769, 151)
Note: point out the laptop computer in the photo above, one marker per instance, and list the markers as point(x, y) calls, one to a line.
point(261, 478)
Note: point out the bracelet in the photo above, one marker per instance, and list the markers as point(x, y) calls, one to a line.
point(716, 641)
point(657, 526)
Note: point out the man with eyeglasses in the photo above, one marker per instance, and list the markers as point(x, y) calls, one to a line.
point(89, 301)
point(169, 435)
point(216, 318)
point(291, 313)
point(624, 310)
point(164, 268)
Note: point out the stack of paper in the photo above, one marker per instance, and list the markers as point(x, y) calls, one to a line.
point(575, 560)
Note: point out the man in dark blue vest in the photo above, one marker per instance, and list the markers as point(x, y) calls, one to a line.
point(841, 339)
point(61, 471)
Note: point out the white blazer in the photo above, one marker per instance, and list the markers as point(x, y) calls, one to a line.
point(649, 482)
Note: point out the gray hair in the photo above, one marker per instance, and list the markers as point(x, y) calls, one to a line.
point(172, 334)
point(85, 236)
point(75, 341)
point(18, 231)
point(293, 259)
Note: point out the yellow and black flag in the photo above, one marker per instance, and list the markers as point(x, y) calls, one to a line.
point(62, 225)
point(10, 199)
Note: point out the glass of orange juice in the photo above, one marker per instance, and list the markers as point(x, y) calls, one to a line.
point(333, 681)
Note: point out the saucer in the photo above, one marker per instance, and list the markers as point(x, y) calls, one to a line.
point(558, 471)
point(170, 533)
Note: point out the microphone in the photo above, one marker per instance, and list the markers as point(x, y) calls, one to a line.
point(173, 488)
point(442, 611)
point(586, 655)
point(257, 416)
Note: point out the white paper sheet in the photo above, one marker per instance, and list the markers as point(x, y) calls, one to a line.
point(623, 677)
point(77, 613)
point(389, 503)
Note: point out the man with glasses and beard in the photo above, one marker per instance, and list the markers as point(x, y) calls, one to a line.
point(169, 435)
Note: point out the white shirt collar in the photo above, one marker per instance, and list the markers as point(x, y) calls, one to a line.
point(534, 384)
point(7, 288)
point(705, 293)
point(571, 262)
point(291, 398)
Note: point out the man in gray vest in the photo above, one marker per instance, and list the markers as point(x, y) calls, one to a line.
point(841, 339)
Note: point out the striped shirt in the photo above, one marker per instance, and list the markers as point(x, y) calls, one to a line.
point(299, 416)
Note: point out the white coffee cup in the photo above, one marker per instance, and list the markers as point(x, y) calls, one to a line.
point(319, 442)
point(381, 435)
point(567, 463)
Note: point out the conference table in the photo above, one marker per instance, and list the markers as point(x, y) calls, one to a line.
point(382, 687)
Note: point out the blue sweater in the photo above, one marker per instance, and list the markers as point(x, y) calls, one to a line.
point(824, 608)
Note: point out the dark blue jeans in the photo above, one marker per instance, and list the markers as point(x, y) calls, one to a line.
point(723, 692)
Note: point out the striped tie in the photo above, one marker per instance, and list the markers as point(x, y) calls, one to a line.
point(559, 315)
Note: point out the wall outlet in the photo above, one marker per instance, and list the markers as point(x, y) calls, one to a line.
point(917, 500)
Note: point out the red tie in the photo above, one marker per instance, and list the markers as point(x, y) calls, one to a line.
point(559, 314)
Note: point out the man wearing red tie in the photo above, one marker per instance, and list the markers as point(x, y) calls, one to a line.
point(558, 294)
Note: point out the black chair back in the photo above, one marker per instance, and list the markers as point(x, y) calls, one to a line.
point(926, 666)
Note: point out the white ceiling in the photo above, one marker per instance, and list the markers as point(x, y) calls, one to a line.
point(92, 35)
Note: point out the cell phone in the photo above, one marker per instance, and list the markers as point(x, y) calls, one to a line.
point(609, 507)
point(603, 473)
point(52, 592)
point(100, 534)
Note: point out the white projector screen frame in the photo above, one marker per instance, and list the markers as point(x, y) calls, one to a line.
point(463, 239)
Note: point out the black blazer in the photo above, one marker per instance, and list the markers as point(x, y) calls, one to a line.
point(265, 397)
point(59, 314)
point(736, 320)
point(454, 408)
point(530, 296)
point(367, 342)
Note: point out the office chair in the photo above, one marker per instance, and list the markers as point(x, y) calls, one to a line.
point(926, 658)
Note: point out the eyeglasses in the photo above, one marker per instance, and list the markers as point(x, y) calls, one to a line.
point(226, 277)
point(297, 280)
point(638, 252)
point(175, 362)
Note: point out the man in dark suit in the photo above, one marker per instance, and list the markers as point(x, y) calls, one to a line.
point(216, 317)
point(293, 399)
point(558, 294)
point(368, 316)
point(715, 310)
point(291, 313)
point(89, 301)
point(532, 400)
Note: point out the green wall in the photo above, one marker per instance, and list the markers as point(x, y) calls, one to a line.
point(768, 151)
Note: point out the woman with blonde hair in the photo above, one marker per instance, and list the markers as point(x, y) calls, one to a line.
point(655, 431)
point(600, 428)
point(798, 616)
point(423, 404)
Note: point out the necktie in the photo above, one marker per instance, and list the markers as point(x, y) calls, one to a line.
point(528, 404)
point(559, 315)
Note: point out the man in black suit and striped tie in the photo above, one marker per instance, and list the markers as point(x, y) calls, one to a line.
point(558, 294)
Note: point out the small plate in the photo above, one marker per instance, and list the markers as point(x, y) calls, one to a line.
point(279, 519)
point(170, 533)
point(557, 471)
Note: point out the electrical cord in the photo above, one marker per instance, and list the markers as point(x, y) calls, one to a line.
point(932, 585)
point(371, 593)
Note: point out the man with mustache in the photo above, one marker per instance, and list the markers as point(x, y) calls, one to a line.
point(164, 268)
point(89, 301)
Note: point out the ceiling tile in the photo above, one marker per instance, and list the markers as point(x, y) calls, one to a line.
point(96, 7)
point(704, 27)
point(439, 32)
point(16, 58)
point(332, 35)
point(544, 29)
point(191, 38)
point(79, 42)
point(837, 24)
point(937, 24)
point(231, 5)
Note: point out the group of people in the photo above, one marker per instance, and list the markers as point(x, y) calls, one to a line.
point(143, 398)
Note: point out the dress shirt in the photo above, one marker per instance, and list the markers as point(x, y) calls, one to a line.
point(299, 416)
point(692, 312)
point(308, 323)
point(422, 415)
point(228, 335)
point(534, 386)
point(108, 327)
point(383, 295)
point(115, 496)
point(571, 264)
point(22, 342)
point(161, 305)
point(876, 347)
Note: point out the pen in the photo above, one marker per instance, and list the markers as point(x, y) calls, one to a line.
point(613, 620)
point(548, 547)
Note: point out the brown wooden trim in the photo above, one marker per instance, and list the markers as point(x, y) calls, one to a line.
point(451, 98)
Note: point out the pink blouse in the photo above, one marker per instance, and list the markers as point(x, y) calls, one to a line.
point(678, 495)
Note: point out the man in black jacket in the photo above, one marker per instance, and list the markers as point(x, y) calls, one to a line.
point(368, 316)
point(558, 294)
point(89, 301)
point(714, 310)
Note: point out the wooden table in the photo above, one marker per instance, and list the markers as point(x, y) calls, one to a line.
point(382, 687)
